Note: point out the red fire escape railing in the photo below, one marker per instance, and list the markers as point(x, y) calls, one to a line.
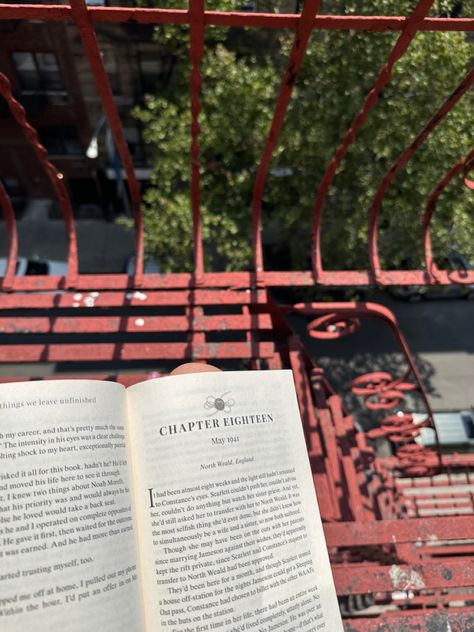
point(463, 166)
point(400, 561)
point(198, 18)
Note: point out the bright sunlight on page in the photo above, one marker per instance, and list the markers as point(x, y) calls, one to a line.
point(67, 555)
point(230, 534)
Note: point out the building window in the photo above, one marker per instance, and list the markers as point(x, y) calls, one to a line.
point(16, 192)
point(110, 65)
point(135, 144)
point(14, 188)
point(155, 70)
point(38, 71)
point(60, 141)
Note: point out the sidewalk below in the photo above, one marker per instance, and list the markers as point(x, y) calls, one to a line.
point(103, 247)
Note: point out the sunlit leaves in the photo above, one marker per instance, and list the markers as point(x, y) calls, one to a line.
point(340, 67)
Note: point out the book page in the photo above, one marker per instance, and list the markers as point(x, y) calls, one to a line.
point(67, 543)
point(230, 533)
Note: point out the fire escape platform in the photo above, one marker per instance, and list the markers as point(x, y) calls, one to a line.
point(399, 527)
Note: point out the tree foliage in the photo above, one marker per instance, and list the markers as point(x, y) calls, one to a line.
point(242, 71)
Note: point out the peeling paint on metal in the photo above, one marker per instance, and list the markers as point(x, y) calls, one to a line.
point(447, 574)
point(140, 296)
point(405, 579)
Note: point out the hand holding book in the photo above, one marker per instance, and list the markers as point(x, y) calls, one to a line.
point(210, 525)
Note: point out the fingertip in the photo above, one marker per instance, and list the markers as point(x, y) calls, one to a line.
point(194, 367)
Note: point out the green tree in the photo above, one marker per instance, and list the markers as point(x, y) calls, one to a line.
point(241, 72)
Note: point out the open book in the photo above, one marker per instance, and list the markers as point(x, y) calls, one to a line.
point(181, 504)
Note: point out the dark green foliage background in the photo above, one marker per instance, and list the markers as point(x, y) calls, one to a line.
point(242, 70)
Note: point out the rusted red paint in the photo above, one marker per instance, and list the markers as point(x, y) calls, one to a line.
point(127, 379)
point(89, 300)
point(197, 18)
point(399, 531)
point(372, 505)
point(135, 323)
point(371, 554)
point(302, 35)
point(196, 51)
point(9, 215)
point(379, 389)
point(348, 457)
point(449, 573)
point(231, 280)
point(54, 176)
point(457, 460)
point(127, 351)
point(82, 18)
point(143, 15)
point(311, 425)
point(332, 327)
point(402, 160)
point(339, 456)
point(408, 33)
point(462, 166)
point(427, 621)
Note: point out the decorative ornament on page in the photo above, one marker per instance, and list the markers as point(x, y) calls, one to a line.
point(215, 404)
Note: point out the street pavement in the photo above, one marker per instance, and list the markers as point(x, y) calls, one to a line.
point(439, 333)
point(102, 246)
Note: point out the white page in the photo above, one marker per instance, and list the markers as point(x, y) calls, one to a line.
point(230, 533)
point(67, 544)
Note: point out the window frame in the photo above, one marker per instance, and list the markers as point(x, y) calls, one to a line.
point(43, 83)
